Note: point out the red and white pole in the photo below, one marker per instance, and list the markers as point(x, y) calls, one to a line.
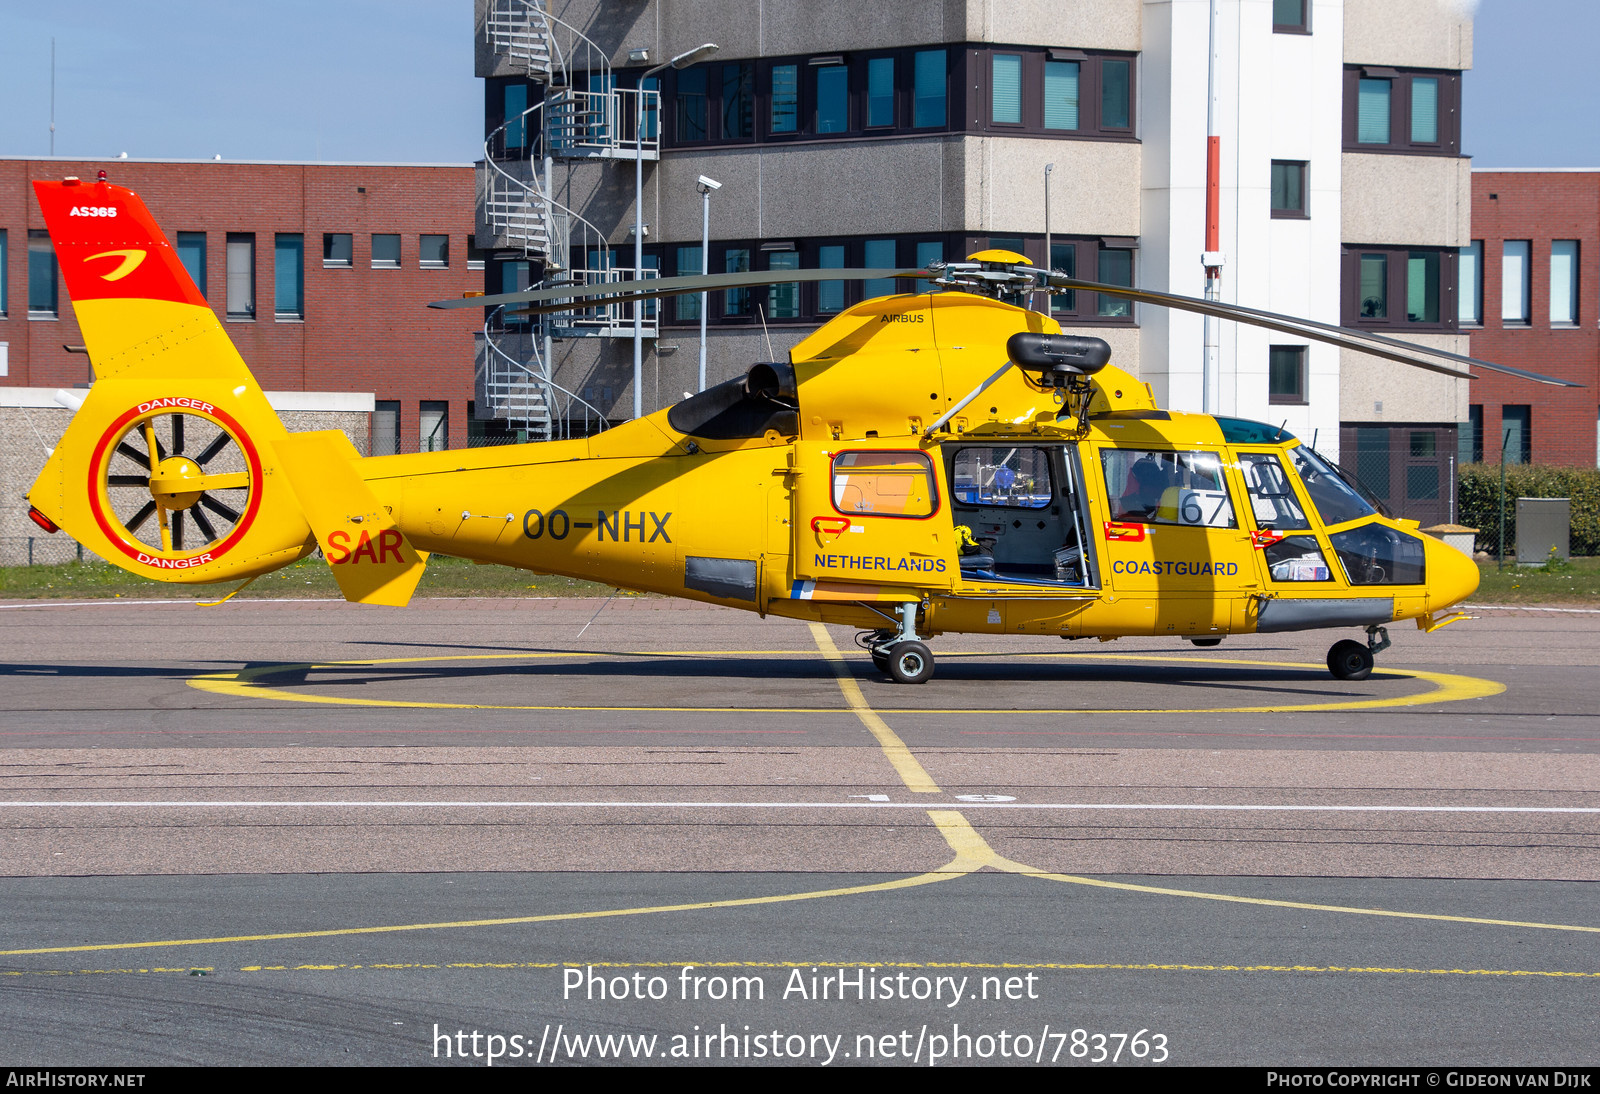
point(1212, 259)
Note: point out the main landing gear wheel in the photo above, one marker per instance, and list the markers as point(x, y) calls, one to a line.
point(1349, 660)
point(909, 662)
point(880, 659)
point(151, 473)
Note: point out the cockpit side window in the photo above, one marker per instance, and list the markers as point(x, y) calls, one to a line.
point(1154, 487)
point(1272, 497)
point(1333, 498)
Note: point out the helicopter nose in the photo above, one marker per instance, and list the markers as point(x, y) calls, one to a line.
point(1452, 576)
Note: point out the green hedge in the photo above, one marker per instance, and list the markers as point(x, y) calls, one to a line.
point(1478, 501)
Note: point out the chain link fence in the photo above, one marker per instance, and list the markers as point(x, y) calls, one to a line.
point(43, 550)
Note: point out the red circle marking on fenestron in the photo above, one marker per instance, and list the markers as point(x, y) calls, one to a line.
point(112, 527)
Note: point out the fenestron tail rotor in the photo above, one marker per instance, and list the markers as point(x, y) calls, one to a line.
point(185, 470)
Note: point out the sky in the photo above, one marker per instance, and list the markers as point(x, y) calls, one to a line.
point(392, 81)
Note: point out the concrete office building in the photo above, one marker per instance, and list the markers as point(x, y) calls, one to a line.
point(906, 131)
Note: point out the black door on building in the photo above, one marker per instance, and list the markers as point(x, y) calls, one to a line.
point(1410, 468)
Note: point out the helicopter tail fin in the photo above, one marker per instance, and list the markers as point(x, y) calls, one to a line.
point(170, 466)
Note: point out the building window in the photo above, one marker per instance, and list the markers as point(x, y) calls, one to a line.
point(433, 252)
point(338, 249)
point(880, 92)
point(828, 96)
point(1288, 188)
point(878, 254)
point(434, 427)
point(783, 301)
point(1005, 89)
point(832, 96)
point(241, 275)
point(1516, 304)
point(1372, 111)
point(5, 273)
point(385, 427)
point(1291, 17)
point(736, 302)
point(691, 116)
point(738, 102)
point(474, 254)
point(289, 275)
point(785, 99)
point(1564, 283)
point(1402, 110)
point(192, 253)
point(1062, 92)
point(1115, 267)
point(688, 263)
point(1516, 433)
point(830, 294)
point(1406, 287)
point(1471, 447)
point(1286, 375)
point(930, 80)
point(386, 252)
point(515, 105)
point(44, 297)
point(1471, 272)
point(1109, 260)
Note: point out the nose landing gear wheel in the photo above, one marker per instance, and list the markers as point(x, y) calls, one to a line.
point(1349, 660)
point(909, 662)
point(880, 660)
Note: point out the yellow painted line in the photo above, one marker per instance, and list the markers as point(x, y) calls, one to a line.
point(905, 764)
point(957, 867)
point(244, 684)
point(969, 845)
point(1009, 966)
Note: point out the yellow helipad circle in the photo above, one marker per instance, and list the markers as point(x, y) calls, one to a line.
point(1447, 687)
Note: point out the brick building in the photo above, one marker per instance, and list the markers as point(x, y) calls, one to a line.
point(320, 273)
point(1529, 303)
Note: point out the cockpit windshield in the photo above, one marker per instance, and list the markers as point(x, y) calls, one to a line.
point(1331, 495)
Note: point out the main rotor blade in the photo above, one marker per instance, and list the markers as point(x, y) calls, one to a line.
point(673, 286)
point(1377, 345)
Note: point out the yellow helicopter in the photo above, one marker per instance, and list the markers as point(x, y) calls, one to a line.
point(1035, 489)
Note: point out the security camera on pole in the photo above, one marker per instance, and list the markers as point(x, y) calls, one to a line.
point(682, 60)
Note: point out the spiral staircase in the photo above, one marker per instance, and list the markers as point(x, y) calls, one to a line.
point(527, 162)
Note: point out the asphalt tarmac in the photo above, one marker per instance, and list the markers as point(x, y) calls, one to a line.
point(313, 832)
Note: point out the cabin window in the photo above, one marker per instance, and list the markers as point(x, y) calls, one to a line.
point(1150, 487)
point(1018, 478)
point(889, 484)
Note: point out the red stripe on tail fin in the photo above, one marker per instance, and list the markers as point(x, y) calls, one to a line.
point(109, 247)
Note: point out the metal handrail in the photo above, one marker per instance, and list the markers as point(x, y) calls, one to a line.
point(542, 377)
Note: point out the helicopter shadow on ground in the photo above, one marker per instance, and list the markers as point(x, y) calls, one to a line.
point(647, 668)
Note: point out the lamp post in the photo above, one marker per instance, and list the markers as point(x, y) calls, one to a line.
point(705, 185)
point(1049, 167)
point(682, 60)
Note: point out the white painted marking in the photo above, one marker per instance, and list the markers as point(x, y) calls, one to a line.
point(872, 797)
point(1080, 806)
point(980, 798)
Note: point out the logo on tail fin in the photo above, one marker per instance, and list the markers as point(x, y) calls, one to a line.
point(130, 262)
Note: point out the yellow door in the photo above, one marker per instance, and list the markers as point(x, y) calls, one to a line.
point(1174, 525)
point(873, 515)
